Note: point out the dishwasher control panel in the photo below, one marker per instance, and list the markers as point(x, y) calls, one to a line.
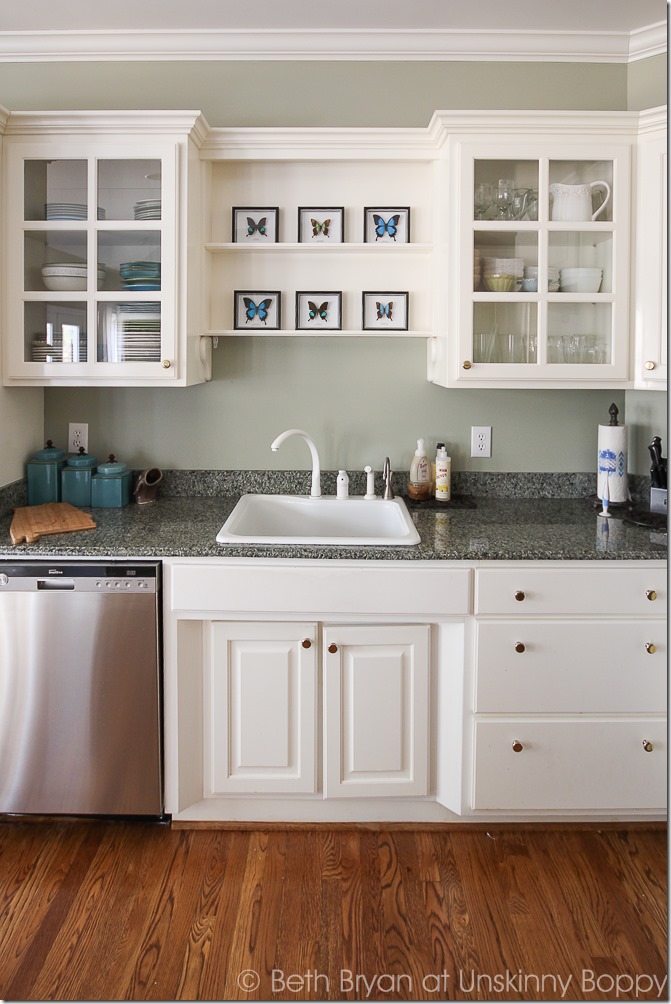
point(98, 577)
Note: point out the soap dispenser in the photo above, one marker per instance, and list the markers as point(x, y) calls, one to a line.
point(419, 484)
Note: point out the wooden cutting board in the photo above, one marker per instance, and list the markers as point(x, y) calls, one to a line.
point(34, 521)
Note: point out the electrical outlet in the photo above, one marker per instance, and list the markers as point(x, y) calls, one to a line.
point(481, 441)
point(78, 435)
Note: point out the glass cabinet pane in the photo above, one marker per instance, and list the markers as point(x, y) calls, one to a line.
point(581, 191)
point(55, 190)
point(54, 260)
point(584, 260)
point(55, 332)
point(500, 259)
point(129, 332)
point(132, 259)
point(579, 333)
point(505, 332)
point(130, 189)
point(506, 190)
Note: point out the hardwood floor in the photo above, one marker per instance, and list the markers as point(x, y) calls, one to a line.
point(100, 910)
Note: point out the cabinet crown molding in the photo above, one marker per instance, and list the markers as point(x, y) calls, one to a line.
point(126, 123)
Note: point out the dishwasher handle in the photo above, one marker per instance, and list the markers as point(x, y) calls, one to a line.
point(55, 583)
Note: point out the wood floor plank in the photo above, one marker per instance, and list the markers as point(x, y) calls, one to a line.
point(93, 910)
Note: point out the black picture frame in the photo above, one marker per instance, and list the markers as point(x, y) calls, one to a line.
point(313, 219)
point(246, 221)
point(386, 225)
point(308, 307)
point(261, 315)
point(384, 311)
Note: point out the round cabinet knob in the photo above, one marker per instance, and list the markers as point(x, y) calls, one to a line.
point(4, 579)
point(306, 643)
point(467, 364)
point(649, 364)
point(520, 646)
point(333, 649)
point(517, 746)
point(166, 364)
point(650, 647)
point(520, 595)
point(647, 746)
point(651, 594)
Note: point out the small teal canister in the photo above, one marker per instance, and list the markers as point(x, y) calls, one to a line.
point(44, 475)
point(76, 478)
point(110, 485)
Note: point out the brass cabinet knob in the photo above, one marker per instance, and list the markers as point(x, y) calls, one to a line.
point(467, 364)
point(647, 746)
point(520, 646)
point(166, 364)
point(650, 647)
point(517, 746)
point(649, 364)
point(651, 594)
point(520, 595)
point(333, 649)
point(306, 643)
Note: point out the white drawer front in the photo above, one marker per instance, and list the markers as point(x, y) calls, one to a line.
point(527, 591)
point(329, 588)
point(608, 666)
point(567, 764)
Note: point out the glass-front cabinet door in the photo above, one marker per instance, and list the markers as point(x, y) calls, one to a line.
point(540, 263)
point(90, 263)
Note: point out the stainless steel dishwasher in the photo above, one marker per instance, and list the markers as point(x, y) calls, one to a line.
point(80, 688)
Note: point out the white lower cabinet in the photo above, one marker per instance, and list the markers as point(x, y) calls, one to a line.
point(569, 690)
point(260, 696)
point(376, 710)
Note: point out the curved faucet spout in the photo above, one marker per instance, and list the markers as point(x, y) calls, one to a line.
point(315, 490)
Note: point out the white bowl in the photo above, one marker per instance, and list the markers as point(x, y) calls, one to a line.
point(65, 283)
point(580, 280)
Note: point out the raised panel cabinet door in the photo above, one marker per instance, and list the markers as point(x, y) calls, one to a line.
point(376, 716)
point(260, 718)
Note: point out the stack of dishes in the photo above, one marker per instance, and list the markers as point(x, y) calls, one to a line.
point(147, 209)
point(580, 280)
point(553, 278)
point(68, 276)
point(139, 332)
point(503, 275)
point(141, 275)
point(42, 351)
point(531, 277)
point(69, 211)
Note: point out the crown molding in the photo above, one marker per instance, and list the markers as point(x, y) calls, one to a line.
point(352, 44)
point(123, 123)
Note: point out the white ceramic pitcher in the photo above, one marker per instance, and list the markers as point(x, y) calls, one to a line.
point(573, 203)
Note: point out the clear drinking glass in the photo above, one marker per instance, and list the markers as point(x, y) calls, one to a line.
point(504, 197)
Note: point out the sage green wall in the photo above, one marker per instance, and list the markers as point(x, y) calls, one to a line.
point(361, 400)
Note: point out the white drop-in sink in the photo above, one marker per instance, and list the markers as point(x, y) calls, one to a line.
point(299, 519)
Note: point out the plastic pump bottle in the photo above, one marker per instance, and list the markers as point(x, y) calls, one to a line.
point(419, 486)
point(443, 474)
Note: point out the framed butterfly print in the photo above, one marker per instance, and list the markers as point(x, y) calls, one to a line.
point(255, 225)
point(385, 312)
point(386, 226)
point(256, 309)
point(318, 311)
point(321, 226)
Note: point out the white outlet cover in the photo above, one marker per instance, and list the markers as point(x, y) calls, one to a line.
point(481, 441)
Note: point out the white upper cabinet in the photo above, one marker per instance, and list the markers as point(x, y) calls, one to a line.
point(534, 263)
point(101, 216)
point(650, 252)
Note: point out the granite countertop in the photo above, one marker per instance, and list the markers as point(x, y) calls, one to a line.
point(496, 529)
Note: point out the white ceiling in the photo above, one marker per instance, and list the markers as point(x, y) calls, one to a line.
point(455, 15)
point(567, 30)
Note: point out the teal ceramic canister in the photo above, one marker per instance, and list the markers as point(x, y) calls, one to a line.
point(44, 475)
point(110, 485)
point(76, 478)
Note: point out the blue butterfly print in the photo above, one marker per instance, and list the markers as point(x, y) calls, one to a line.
point(259, 310)
point(315, 311)
point(390, 227)
point(253, 227)
point(320, 228)
point(384, 310)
